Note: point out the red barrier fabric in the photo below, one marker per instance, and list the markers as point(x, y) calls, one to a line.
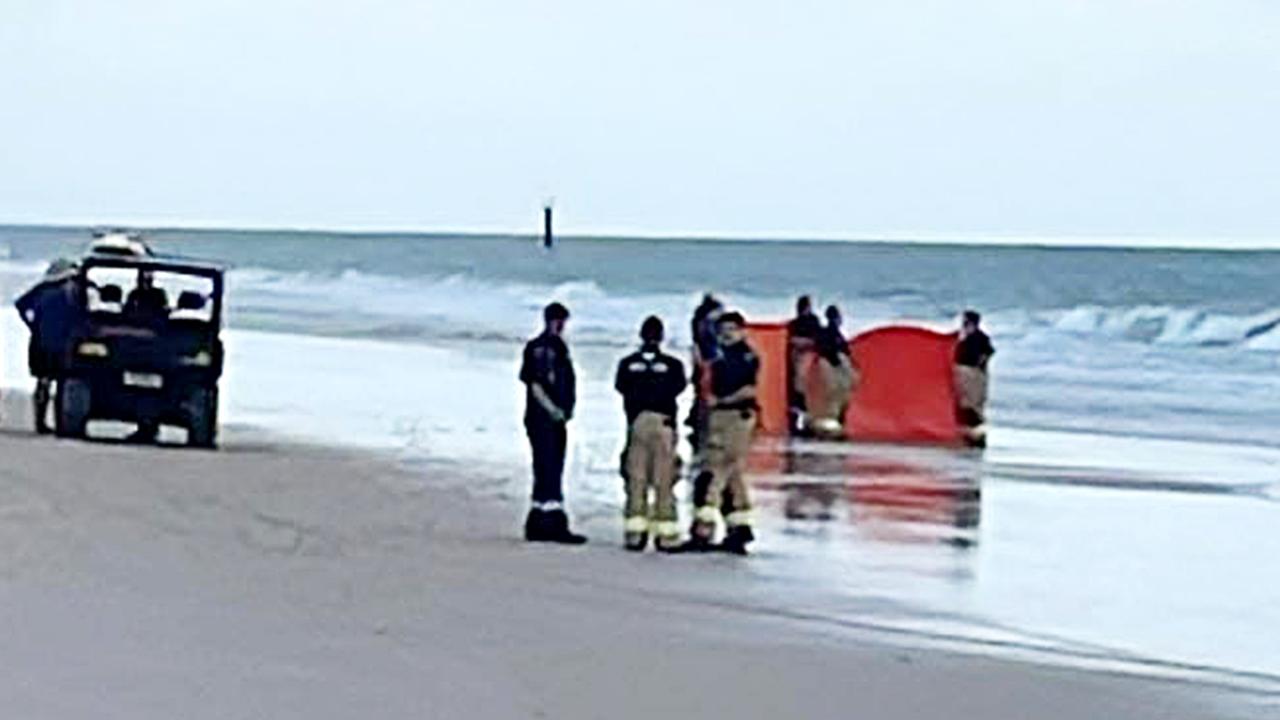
point(769, 340)
point(905, 393)
point(907, 389)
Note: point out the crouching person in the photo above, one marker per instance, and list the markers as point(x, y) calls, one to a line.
point(731, 423)
point(650, 381)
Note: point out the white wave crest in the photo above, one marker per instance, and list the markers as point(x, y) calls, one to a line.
point(1164, 325)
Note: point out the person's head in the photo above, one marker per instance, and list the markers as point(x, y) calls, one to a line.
point(555, 316)
point(804, 306)
point(652, 331)
point(145, 279)
point(833, 316)
point(730, 328)
point(970, 321)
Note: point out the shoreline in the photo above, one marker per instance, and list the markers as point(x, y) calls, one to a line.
point(425, 586)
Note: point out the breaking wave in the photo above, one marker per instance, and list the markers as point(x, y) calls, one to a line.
point(1175, 326)
point(463, 307)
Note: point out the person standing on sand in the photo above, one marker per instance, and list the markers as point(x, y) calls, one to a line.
point(802, 336)
point(649, 381)
point(973, 352)
point(702, 333)
point(551, 393)
point(837, 377)
point(731, 421)
point(50, 310)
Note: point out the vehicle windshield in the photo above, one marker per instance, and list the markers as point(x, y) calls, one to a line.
point(150, 295)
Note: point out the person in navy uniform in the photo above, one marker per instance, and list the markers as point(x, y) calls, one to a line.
point(551, 393)
point(731, 422)
point(650, 381)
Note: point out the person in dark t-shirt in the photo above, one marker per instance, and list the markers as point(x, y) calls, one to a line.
point(802, 336)
point(650, 381)
point(730, 425)
point(973, 353)
point(836, 375)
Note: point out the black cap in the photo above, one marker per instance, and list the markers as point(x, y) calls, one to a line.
point(972, 316)
point(652, 330)
point(555, 311)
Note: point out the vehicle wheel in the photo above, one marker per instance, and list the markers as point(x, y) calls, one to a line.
point(202, 418)
point(74, 400)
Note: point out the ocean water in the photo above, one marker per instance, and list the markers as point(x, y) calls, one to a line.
point(1134, 467)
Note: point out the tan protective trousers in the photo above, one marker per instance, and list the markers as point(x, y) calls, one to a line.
point(728, 443)
point(835, 385)
point(651, 463)
point(971, 389)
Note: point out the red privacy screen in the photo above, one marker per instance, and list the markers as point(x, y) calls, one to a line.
point(906, 393)
point(769, 340)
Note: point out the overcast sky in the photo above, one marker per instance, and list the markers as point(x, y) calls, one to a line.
point(803, 117)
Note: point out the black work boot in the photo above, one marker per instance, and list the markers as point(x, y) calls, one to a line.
point(558, 529)
point(737, 539)
point(636, 541)
point(535, 526)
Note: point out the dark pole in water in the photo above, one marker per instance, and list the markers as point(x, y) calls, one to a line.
point(547, 239)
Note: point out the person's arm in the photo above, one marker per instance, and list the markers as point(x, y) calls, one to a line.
point(742, 394)
point(987, 351)
point(534, 372)
point(544, 399)
point(26, 306)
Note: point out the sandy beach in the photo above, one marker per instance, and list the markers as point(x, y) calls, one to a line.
point(280, 580)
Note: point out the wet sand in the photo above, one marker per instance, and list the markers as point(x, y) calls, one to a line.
point(280, 580)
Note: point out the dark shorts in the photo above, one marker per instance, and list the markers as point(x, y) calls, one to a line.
point(43, 362)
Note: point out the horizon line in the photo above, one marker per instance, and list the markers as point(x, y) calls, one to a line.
point(955, 239)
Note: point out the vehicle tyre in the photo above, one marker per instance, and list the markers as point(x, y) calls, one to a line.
point(73, 404)
point(202, 418)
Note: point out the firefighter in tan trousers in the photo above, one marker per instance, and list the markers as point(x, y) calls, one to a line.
point(973, 353)
point(650, 381)
point(730, 424)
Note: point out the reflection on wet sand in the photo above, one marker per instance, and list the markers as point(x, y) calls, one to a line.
point(885, 494)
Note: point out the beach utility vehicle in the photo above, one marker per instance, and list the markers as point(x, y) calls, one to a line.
point(118, 243)
point(136, 358)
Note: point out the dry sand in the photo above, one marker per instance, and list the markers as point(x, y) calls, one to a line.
point(273, 580)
